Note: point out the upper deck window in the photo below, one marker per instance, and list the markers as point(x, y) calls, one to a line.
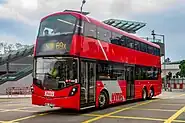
point(57, 25)
point(90, 30)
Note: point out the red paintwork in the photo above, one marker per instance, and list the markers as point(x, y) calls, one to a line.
point(99, 23)
point(140, 84)
point(61, 98)
point(123, 86)
point(89, 48)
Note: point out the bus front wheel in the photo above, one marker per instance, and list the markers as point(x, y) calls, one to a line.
point(103, 99)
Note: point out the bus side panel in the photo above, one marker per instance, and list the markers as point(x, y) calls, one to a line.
point(76, 45)
point(140, 84)
point(116, 90)
point(123, 86)
point(91, 49)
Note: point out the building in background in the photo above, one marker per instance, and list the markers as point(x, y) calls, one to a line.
point(172, 67)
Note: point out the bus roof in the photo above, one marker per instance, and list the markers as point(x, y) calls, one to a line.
point(106, 26)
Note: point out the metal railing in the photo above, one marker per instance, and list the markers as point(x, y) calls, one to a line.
point(16, 76)
point(10, 91)
point(16, 55)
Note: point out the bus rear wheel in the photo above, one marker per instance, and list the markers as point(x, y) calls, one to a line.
point(144, 94)
point(151, 94)
point(103, 99)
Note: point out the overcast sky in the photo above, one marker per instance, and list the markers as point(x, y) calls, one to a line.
point(19, 19)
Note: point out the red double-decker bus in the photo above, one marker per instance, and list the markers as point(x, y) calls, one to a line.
point(81, 63)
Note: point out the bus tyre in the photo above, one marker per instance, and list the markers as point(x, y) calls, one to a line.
point(144, 94)
point(103, 99)
point(151, 94)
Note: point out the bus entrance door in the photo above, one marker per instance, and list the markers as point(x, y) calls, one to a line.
point(130, 82)
point(88, 84)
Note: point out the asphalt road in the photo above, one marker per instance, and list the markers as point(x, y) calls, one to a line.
point(168, 107)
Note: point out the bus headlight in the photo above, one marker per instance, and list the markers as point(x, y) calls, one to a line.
point(32, 90)
point(73, 91)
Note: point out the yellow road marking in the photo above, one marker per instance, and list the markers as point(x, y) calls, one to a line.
point(135, 118)
point(155, 109)
point(123, 109)
point(28, 117)
point(117, 111)
point(127, 117)
point(173, 117)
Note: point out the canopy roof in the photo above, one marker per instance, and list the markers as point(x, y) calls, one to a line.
point(128, 26)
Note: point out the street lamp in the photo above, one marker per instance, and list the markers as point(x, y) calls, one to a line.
point(154, 34)
point(83, 2)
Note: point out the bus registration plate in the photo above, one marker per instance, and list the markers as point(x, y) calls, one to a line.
point(49, 93)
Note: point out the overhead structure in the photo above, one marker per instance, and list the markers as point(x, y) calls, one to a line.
point(128, 26)
point(16, 76)
point(6, 58)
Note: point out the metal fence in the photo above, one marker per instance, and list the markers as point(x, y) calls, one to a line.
point(178, 83)
point(18, 91)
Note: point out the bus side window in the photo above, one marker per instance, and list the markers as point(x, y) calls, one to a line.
point(90, 30)
point(130, 43)
point(143, 47)
point(123, 41)
point(118, 71)
point(103, 34)
point(150, 49)
point(137, 45)
point(116, 38)
point(158, 52)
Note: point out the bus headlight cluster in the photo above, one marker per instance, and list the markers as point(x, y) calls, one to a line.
point(73, 91)
point(32, 90)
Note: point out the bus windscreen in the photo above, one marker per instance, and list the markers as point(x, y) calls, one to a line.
point(55, 35)
point(55, 74)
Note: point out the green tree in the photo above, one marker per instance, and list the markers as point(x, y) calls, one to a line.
point(182, 68)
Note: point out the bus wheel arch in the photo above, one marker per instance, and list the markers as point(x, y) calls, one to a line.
point(144, 93)
point(103, 99)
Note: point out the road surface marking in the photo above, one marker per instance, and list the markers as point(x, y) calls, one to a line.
point(28, 117)
point(173, 104)
point(7, 110)
point(130, 107)
point(127, 117)
point(135, 118)
point(155, 109)
point(117, 111)
point(19, 110)
point(173, 117)
point(12, 104)
point(175, 96)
